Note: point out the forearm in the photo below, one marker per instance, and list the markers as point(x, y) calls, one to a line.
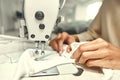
point(87, 35)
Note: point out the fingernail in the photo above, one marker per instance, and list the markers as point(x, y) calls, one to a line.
point(60, 52)
point(68, 50)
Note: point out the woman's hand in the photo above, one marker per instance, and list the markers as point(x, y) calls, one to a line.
point(98, 53)
point(62, 38)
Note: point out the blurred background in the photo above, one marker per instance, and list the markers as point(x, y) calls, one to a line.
point(77, 14)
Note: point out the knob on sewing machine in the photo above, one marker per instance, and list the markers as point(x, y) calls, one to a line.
point(39, 19)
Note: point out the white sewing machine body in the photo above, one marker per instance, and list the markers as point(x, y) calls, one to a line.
point(40, 18)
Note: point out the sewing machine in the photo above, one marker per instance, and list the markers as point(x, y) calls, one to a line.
point(39, 20)
point(40, 17)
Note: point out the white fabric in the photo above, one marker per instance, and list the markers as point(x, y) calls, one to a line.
point(108, 74)
point(27, 65)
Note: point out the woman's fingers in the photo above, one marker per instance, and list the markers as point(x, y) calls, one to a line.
point(94, 45)
point(91, 55)
point(54, 44)
point(61, 40)
point(68, 48)
point(104, 63)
